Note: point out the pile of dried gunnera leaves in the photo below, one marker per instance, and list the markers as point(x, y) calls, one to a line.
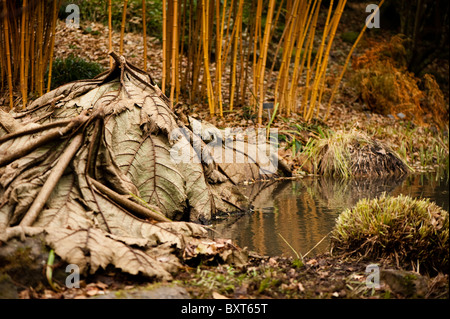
point(90, 165)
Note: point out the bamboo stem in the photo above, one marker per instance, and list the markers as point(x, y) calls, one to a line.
point(287, 48)
point(347, 60)
point(144, 34)
point(8, 54)
point(255, 49)
point(122, 27)
point(26, 56)
point(110, 33)
point(335, 22)
point(298, 65)
point(164, 42)
point(22, 54)
point(219, 36)
point(40, 48)
point(264, 57)
point(308, 63)
point(52, 44)
point(238, 24)
point(209, 92)
point(174, 51)
point(318, 74)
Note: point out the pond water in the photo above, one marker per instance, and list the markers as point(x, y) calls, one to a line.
point(303, 211)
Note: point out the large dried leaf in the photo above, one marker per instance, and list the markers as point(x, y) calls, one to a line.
point(91, 249)
point(238, 158)
point(105, 178)
point(145, 159)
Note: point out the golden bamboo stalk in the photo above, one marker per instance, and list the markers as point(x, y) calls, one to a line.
point(174, 51)
point(169, 42)
point(255, 50)
point(264, 57)
point(335, 24)
point(8, 54)
point(52, 44)
point(277, 16)
point(308, 63)
point(298, 65)
point(22, 54)
point(144, 34)
point(178, 69)
point(240, 96)
point(287, 51)
point(122, 27)
point(318, 73)
point(110, 33)
point(219, 54)
point(347, 60)
point(206, 60)
point(228, 25)
point(40, 47)
point(197, 45)
point(32, 52)
point(2, 63)
point(238, 24)
point(286, 29)
point(164, 41)
point(186, 68)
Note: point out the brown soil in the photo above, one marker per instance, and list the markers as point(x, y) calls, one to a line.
point(321, 277)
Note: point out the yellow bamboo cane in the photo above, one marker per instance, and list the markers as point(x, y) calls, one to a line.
point(32, 35)
point(255, 50)
point(308, 63)
point(284, 68)
point(40, 47)
point(26, 55)
point(316, 82)
point(227, 34)
point(347, 60)
point(219, 54)
point(164, 50)
point(110, 33)
point(122, 27)
point(336, 19)
point(22, 54)
point(236, 43)
point(264, 57)
point(8, 54)
point(298, 65)
point(174, 51)
point(209, 91)
point(52, 45)
point(144, 34)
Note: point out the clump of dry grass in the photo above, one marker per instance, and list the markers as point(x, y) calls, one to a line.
point(401, 229)
point(354, 154)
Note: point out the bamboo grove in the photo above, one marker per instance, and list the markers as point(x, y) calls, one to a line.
point(219, 53)
point(26, 46)
point(228, 53)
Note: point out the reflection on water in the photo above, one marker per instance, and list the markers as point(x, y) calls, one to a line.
point(304, 211)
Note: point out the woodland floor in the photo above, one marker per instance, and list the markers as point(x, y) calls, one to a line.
point(323, 276)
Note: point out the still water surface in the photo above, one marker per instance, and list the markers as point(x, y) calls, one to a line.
point(304, 211)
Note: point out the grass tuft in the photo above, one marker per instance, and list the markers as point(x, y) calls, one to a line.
point(354, 154)
point(401, 229)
